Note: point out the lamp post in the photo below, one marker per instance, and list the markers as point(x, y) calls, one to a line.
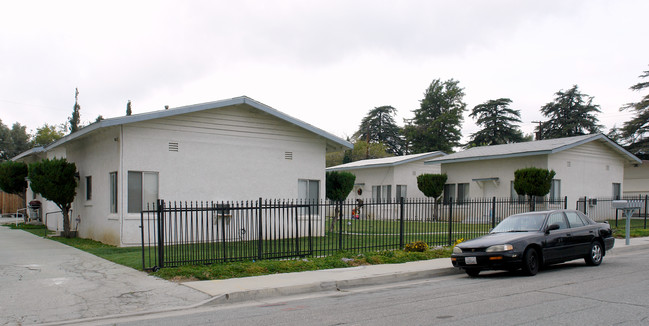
point(628, 206)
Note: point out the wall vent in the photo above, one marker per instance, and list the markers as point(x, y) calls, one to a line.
point(173, 147)
point(288, 155)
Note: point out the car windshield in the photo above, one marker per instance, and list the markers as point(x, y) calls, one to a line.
point(520, 223)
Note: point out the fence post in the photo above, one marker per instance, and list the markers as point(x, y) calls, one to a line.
point(450, 221)
point(310, 234)
point(401, 225)
point(585, 203)
point(340, 225)
point(533, 198)
point(223, 242)
point(297, 231)
point(161, 247)
point(493, 212)
point(565, 202)
point(141, 232)
point(260, 226)
point(646, 197)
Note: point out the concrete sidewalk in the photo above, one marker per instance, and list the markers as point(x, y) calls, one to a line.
point(43, 281)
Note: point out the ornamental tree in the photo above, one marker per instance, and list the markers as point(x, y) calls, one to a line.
point(533, 182)
point(12, 178)
point(432, 185)
point(338, 187)
point(56, 181)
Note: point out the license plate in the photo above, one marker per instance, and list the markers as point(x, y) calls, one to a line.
point(470, 260)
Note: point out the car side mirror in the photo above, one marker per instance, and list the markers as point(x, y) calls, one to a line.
point(552, 227)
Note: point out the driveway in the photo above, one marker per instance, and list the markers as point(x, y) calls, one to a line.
point(43, 281)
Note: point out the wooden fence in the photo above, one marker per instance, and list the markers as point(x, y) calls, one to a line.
point(9, 203)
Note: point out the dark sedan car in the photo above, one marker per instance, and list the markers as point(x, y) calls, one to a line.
point(530, 240)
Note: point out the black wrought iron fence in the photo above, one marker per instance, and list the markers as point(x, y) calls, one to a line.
point(175, 234)
point(601, 209)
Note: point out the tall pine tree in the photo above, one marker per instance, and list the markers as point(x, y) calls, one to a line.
point(75, 119)
point(436, 125)
point(498, 122)
point(378, 126)
point(570, 114)
point(636, 131)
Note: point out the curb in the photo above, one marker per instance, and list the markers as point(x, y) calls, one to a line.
point(324, 286)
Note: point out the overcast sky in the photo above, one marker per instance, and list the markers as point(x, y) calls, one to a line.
point(324, 62)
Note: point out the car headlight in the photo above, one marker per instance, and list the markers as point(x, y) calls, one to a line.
point(457, 250)
point(498, 248)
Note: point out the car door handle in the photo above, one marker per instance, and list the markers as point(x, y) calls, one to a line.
point(568, 234)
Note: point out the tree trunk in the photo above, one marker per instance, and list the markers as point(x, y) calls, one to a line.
point(66, 223)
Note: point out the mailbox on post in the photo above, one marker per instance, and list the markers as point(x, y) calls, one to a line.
point(628, 206)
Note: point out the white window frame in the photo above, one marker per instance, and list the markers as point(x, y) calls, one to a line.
point(309, 191)
point(555, 190)
point(148, 191)
point(112, 176)
point(462, 192)
point(88, 188)
point(402, 191)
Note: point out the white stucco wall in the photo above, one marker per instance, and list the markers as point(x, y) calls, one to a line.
point(636, 179)
point(587, 170)
point(503, 169)
point(402, 174)
point(96, 155)
point(226, 154)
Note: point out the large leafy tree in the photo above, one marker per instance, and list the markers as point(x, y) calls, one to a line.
point(572, 113)
point(498, 122)
point(13, 141)
point(12, 178)
point(436, 125)
point(75, 119)
point(636, 130)
point(55, 180)
point(378, 126)
point(47, 134)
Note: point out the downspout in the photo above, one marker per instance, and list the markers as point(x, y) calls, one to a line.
point(121, 180)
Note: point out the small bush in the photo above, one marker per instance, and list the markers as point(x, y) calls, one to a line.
point(417, 246)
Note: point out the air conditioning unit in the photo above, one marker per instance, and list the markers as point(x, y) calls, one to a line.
point(592, 201)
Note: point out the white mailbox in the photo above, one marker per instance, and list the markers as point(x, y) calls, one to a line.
point(628, 206)
point(631, 204)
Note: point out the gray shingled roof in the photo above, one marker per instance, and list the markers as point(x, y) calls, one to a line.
point(331, 139)
point(539, 147)
point(383, 162)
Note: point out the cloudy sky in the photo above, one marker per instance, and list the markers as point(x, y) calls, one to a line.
point(324, 62)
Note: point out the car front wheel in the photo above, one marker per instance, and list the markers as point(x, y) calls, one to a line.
point(595, 254)
point(531, 262)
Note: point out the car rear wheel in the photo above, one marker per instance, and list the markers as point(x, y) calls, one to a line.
point(472, 272)
point(531, 262)
point(595, 254)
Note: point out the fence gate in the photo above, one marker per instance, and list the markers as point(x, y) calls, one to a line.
point(181, 233)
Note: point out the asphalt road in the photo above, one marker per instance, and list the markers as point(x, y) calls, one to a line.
point(615, 293)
